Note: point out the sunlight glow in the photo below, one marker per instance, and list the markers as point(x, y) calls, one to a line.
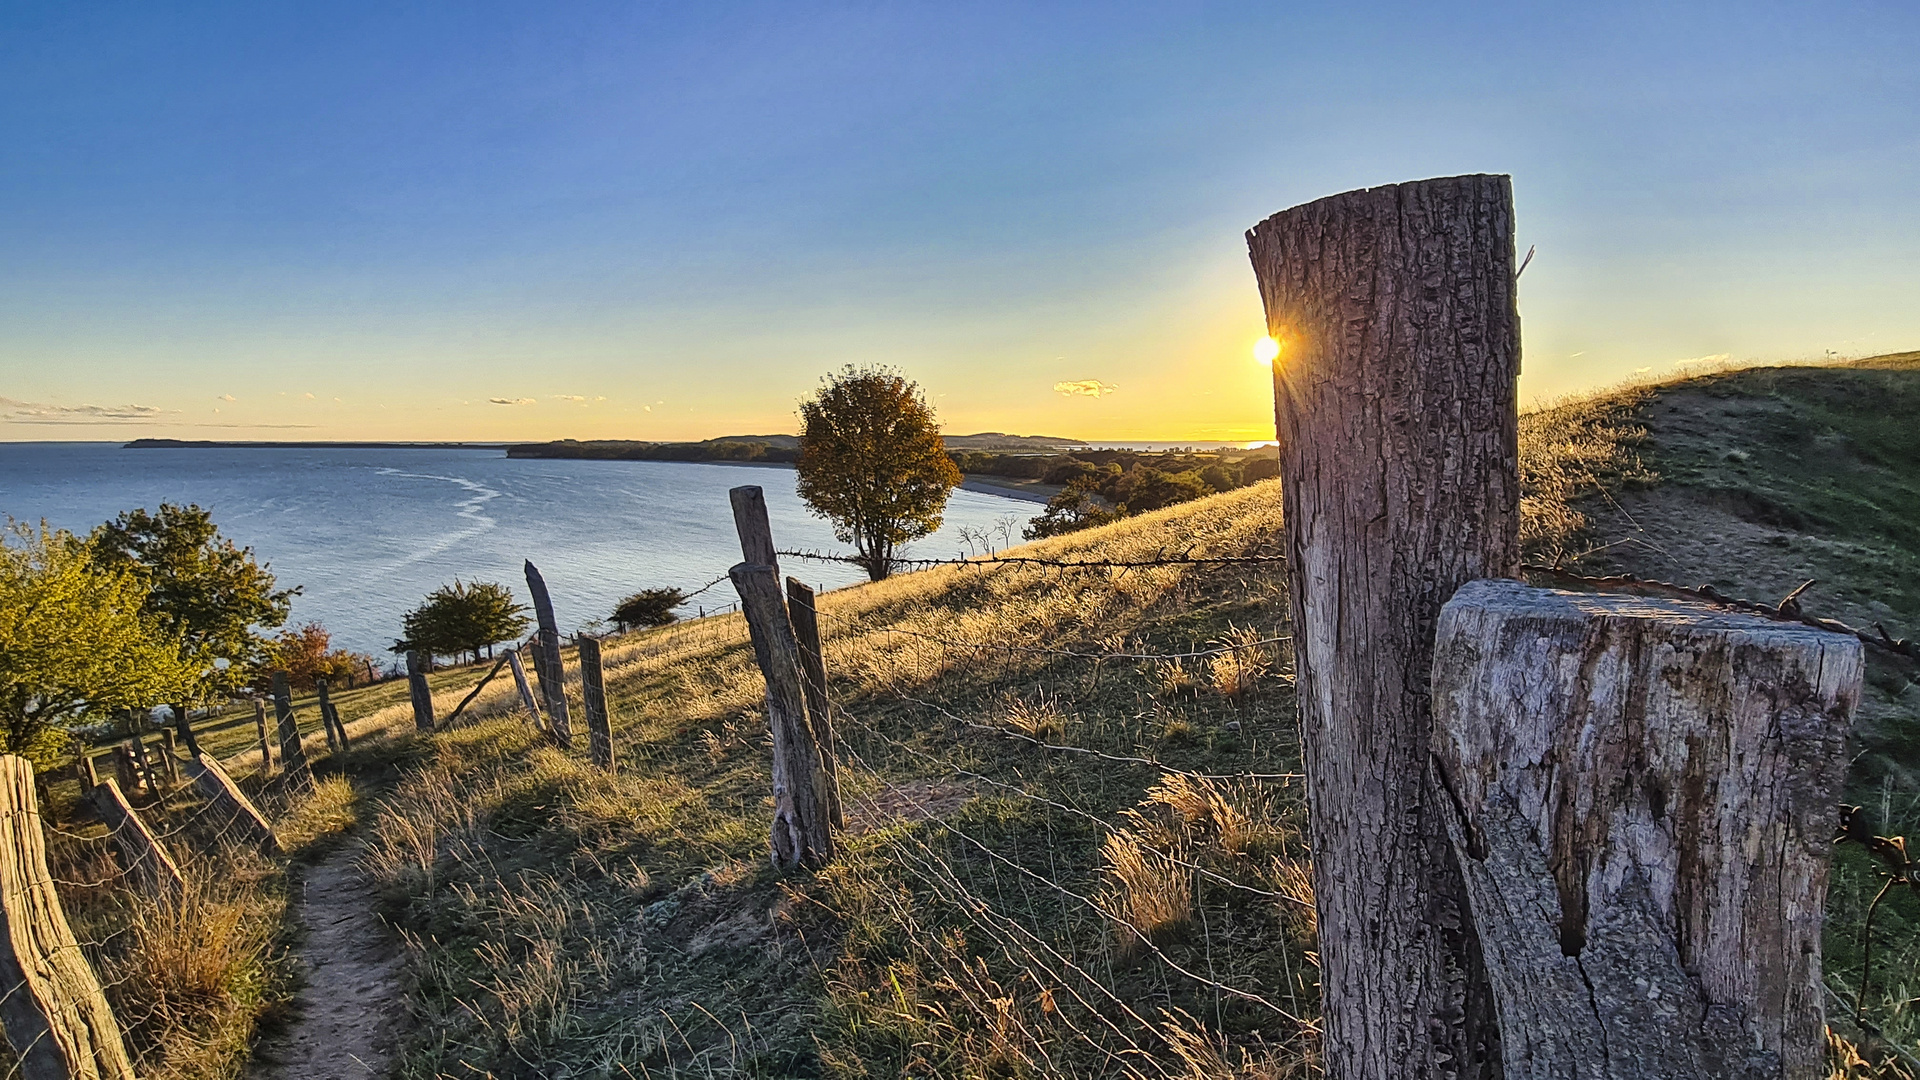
point(1266, 350)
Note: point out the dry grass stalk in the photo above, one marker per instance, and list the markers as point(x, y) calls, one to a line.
point(1040, 719)
point(1152, 895)
point(1233, 673)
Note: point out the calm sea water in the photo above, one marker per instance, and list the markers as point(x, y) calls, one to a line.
point(367, 533)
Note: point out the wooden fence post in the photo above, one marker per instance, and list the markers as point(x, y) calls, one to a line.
point(1394, 403)
point(756, 532)
point(125, 768)
point(802, 788)
point(1643, 800)
point(169, 755)
point(293, 756)
point(220, 790)
point(266, 744)
point(146, 860)
point(326, 723)
point(84, 772)
point(547, 665)
point(593, 693)
point(805, 615)
point(184, 725)
point(56, 1019)
point(418, 692)
point(526, 692)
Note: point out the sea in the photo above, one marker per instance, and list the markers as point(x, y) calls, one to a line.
point(367, 533)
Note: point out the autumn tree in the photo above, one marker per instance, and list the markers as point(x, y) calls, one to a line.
point(201, 587)
point(306, 653)
point(462, 618)
point(77, 643)
point(872, 462)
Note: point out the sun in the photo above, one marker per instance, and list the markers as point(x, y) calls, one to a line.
point(1266, 350)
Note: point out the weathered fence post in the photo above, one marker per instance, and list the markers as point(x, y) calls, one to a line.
point(184, 725)
point(56, 1019)
point(326, 722)
point(84, 772)
point(142, 759)
point(146, 860)
point(526, 692)
point(1394, 403)
point(1643, 800)
point(813, 665)
point(125, 768)
point(750, 521)
point(169, 755)
point(593, 693)
point(330, 714)
point(417, 691)
point(802, 788)
point(293, 756)
point(547, 665)
point(266, 744)
point(220, 790)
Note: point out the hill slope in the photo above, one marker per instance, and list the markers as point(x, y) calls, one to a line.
point(1072, 850)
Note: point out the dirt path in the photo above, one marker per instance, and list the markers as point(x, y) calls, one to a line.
point(343, 1016)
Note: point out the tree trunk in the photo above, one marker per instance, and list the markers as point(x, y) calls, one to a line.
point(1646, 799)
point(1394, 401)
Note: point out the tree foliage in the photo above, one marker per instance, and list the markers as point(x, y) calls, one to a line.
point(1075, 508)
point(306, 653)
point(648, 607)
point(76, 642)
point(201, 588)
point(463, 618)
point(872, 462)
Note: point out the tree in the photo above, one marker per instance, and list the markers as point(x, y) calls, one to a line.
point(76, 641)
point(872, 462)
point(1073, 509)
point(648, 607)
point(200, 587)
point(306, 653)
point(461, 618)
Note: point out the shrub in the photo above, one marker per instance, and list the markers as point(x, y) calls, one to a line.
point(648, 607)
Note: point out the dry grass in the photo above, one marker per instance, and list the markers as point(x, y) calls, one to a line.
point(1152, 896)
point(1569, 451)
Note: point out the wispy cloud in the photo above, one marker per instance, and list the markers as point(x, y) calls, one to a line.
point(1716, 358)
point(226, 397)
point(13, 411)
point(571, 397)
point(1085, 388)
point(513, 401)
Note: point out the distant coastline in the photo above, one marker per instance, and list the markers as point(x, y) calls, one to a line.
point(222, 444)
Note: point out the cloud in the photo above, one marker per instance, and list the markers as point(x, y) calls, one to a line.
point(1092, 388)
point(570, 397)
point(308, 396)
point(226, 397)
point(1716, 358)
point(513, 401)
point(13, 411)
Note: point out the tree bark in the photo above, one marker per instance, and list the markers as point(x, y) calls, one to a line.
point(1394, 402)
point(1645, 799)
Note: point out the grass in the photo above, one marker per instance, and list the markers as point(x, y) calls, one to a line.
point(1058, 862)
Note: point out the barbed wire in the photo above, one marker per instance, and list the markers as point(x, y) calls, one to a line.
point(1787, 611)
point(1031, 560)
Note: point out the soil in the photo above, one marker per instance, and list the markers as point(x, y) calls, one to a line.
point(342, 1022)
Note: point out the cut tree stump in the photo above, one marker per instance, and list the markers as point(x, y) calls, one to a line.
point(56, 1019)
point(242, 816)
point(418, 693)
point(548, 668)
point(146, 860)
point(1394, 404)
point(803, 795)
point(593, 694)
point(1644, 798)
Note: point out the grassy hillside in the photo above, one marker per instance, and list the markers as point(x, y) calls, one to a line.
point(1064, 856)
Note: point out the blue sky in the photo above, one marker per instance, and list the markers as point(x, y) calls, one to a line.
point(667, 221)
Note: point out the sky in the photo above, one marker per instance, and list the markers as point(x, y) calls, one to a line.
point(487, 221)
